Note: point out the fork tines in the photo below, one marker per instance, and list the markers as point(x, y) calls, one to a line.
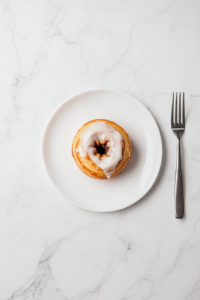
point(178, 111)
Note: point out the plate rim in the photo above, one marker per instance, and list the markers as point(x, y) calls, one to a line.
point(160, 144)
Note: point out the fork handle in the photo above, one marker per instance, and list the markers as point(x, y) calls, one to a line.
point(179, 201)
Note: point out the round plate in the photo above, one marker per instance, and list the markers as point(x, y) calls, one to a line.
point(140, 173)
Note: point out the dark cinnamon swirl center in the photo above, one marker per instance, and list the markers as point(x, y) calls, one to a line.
point(101, 148)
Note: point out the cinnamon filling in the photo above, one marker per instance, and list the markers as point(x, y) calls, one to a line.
point(101, 148)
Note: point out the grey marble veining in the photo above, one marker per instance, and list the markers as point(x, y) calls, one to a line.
point(49, 51)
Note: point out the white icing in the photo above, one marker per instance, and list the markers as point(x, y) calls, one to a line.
point(102, 132)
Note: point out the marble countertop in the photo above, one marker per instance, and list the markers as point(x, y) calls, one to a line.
point(49, 51)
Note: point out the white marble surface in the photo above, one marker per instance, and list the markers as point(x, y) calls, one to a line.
point(50, 50)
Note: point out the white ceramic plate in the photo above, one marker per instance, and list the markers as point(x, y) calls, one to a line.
point(140, 173)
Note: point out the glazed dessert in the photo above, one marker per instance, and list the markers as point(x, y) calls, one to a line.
point(101, 149)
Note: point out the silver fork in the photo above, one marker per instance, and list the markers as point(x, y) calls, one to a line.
point(178, 127)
